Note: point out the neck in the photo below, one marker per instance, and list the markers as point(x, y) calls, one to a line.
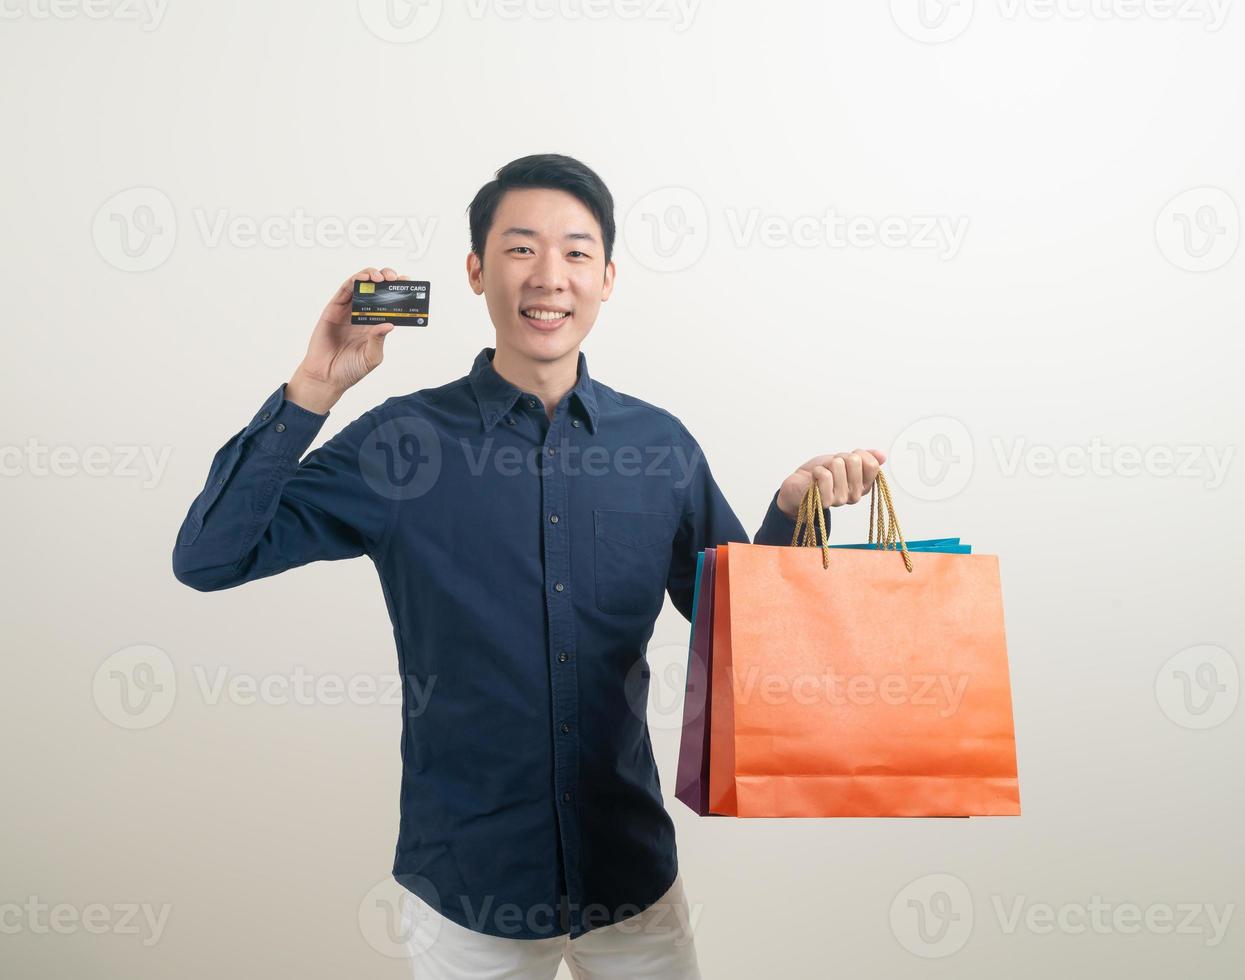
point(548, 380)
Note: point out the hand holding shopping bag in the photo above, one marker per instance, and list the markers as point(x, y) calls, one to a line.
point(869, 683)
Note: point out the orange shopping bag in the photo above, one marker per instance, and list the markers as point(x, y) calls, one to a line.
point(859, 683)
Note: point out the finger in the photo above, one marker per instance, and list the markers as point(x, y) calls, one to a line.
point(797, 482)
point(825, 484)
point(389, 274)
point(816, 461)
point(376, 339)
point(404, 278)
point(792, 491)
point(347, 287)
point(838, 469)
point(854, 467)
point(870, 465)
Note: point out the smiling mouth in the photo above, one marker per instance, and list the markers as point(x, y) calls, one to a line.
point(545, 319)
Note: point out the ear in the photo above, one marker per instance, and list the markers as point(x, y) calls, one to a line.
point(608, 286)
point(475, 273)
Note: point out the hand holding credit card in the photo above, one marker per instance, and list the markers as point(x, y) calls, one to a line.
point(342, 351)
point(401, 302)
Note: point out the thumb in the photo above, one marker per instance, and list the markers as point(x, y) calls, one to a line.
point(878, 455)
point(374, 346)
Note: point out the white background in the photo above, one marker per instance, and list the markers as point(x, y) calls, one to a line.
point(1059, 385)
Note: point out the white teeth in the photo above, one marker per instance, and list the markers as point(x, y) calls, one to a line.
point(542, 315)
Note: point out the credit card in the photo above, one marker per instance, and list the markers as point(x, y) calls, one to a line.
point(400, 303)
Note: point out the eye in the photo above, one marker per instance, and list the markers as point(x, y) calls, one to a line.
point(584, 254)
point(517, 247)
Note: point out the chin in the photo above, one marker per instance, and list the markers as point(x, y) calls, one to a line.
point(548, 346)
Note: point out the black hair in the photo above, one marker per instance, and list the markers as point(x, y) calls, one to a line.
point(547, 170)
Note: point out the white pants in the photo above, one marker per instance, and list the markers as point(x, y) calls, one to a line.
point(657, 942)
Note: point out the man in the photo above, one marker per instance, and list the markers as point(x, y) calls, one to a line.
point(526, 522)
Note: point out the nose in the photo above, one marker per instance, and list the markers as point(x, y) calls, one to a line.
point(549, 272)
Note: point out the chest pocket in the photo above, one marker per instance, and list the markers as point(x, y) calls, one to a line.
point(632, 559)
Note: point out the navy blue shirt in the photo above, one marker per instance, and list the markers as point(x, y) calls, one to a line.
point(523, 562)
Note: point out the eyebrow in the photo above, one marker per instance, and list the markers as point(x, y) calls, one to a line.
point(529, 233)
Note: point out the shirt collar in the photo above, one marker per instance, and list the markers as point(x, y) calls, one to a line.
point(496, 396)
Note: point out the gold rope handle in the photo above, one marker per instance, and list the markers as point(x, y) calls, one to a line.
point(888, 530)
point(883, 522)
point(810, 506)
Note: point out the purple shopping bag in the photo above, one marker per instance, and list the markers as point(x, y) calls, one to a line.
point(692, 778)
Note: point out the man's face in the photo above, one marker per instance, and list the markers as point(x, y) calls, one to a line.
point(543, 253)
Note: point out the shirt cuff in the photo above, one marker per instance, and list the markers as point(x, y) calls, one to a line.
point(283, 428)
point(778, 528)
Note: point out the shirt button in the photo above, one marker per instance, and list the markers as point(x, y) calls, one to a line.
point(550, 450)
point(558, 587)
point(266, 416)
point(565, 728)
point(563, 656)
point(531, 403)
point(280, 426)
point(566, 797)
point(510, 420)
point(575, 423)
point(553, 518)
